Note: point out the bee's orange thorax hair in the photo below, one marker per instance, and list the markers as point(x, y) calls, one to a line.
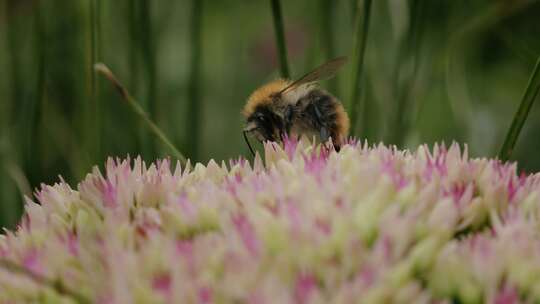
point(342, 123)
point(262, 96)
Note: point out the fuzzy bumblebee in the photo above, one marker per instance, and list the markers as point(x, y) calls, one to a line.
point(294, 108)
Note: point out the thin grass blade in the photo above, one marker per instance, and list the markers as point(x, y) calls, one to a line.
point(531, 92)
point(135, 107)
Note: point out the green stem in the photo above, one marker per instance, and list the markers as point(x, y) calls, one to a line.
point(531, 92)
point(194, 106)
point(13, 45)
point(409, 50)
point(95, 36)
point(141, 140)
point(280, 38)
point(148, 55)
point(9, 211)
point(4, 208)
point(135, 107)
point(133, 44)
point(327, 33)
point(15, 116)
point(361, 35)
point(32, 164)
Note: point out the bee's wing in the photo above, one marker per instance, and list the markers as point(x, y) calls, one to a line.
point(325, 71)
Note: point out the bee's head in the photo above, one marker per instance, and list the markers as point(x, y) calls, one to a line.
point(264, 124)
point(261, 120)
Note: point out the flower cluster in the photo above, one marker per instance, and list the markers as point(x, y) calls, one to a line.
point(304, 225)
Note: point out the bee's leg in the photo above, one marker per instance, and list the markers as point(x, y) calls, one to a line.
point(323, 130)
point(289, 112)
point(324, 134)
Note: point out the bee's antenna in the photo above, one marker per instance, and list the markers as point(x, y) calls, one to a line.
point(247, 142)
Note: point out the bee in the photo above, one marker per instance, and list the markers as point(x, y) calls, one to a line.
point(284, 108)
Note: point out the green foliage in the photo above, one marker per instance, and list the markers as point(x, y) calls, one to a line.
point(450, 70)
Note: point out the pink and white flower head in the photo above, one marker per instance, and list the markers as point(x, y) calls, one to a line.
point(304, 225)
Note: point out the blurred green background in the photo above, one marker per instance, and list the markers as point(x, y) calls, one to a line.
point(434, 71)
